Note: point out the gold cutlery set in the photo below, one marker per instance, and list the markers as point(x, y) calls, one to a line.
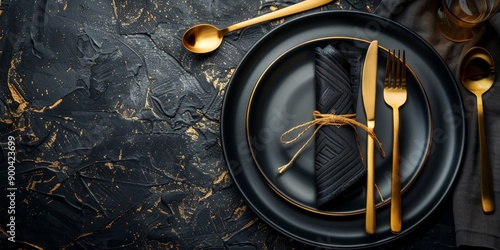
point(395, 95)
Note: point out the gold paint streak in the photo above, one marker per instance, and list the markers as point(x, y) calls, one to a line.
point(55, 188)
point(139, 209)
point(32, 183)
point(121, 154)
point(147, 104)
point(55, 104)
point(110, 224)
point(65, 6)
point(76, 239)
point(208, 194)
point(250, 223)
point(78, 198)
point(221, 178)
point(49, 180)
point(17, 97)
point(6, 121)
point(51, 140)
point(69, 69)
point(114, 8)
point(274, 8)
point(31, 245)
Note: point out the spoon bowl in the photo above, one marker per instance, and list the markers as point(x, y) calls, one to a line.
point(477, 74)
point(477, 71)
point(204, 38)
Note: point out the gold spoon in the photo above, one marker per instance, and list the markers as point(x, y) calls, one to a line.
point(478, 75)
point(204, 38)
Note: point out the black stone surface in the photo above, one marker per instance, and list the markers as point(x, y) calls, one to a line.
point(116, 128)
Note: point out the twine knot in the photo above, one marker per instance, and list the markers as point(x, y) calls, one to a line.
point(321, 120)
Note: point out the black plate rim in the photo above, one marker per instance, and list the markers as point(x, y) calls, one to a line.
point(231, 164)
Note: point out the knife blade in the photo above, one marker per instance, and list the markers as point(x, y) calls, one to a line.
point(369, 93)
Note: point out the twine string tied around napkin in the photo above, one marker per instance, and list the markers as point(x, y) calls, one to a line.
point(321, 120)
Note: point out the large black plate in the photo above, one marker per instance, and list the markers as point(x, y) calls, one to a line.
point(434, 181)
point(285, 96)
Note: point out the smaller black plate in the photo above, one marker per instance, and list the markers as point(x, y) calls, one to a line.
point(284, 97)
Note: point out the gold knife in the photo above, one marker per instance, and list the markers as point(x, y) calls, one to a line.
point(369, 92)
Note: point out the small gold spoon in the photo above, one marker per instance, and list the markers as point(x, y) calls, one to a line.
point(477, 74)
point(204, 38)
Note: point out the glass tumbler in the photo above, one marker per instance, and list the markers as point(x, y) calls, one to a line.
point(458, 19)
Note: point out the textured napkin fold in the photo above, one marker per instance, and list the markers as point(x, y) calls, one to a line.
point(472, 226)
point(338, 165)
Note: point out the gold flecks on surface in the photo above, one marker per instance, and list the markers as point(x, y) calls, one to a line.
point(238, 212)
point(219, 83)
point(182, 212)
point(191, 132)
point(182, 163)
point(112, 166)
point(150, 17)
point(55, 166)
point(129, 19)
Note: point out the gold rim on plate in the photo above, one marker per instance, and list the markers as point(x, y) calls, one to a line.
point(297, 203)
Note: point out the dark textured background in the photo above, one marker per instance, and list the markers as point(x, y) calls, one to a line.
point(117, 127)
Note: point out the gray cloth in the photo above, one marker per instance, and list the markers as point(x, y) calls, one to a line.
point(472, 226)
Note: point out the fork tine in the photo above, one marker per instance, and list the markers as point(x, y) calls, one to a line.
point(387, 71)
point(393, 73)
point(397, 83)
point(403, 77)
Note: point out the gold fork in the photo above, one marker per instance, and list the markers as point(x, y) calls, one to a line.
point(395, 95)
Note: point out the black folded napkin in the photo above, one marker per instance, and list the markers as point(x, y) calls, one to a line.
point(338, 164)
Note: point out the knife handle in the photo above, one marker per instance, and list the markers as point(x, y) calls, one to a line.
point(370, 220)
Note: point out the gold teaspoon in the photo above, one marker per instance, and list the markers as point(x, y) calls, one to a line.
point(477, 74)
point(204, 38)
